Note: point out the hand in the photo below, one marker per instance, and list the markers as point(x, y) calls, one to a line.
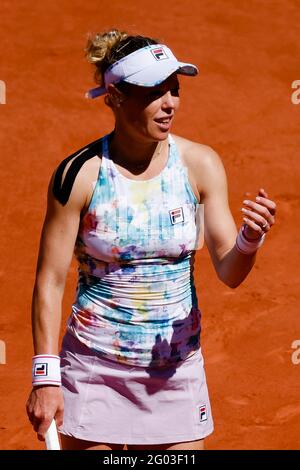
point(45, 403)
point(260, 215)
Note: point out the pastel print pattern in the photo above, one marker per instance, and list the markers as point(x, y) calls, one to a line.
point(136, 301)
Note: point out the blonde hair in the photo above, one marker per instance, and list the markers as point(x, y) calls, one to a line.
point(103, 49)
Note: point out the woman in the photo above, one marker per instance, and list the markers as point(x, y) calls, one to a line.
point(131, 364)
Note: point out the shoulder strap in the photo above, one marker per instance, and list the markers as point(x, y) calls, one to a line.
point(62, 191)
point(171, 139)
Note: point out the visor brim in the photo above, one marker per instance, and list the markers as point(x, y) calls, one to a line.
point(151, 76)
point(95, 92)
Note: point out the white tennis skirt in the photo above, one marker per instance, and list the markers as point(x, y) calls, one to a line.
point(117, 403)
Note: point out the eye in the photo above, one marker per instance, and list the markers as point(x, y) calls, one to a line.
point(156, 93)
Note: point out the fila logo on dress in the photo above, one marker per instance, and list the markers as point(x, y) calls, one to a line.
point(159, 53)
point(176, 215)
point(202, 413)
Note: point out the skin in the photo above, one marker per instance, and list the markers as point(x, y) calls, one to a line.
point(135, 141)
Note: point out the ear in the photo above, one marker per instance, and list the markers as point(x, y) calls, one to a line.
point(116, 97)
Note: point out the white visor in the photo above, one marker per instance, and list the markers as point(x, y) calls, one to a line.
point(146, 67)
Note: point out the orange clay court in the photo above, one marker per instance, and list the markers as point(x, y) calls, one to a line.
point(240, 104)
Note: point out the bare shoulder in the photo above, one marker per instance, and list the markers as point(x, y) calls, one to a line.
point(75, 180)
point(202, 161)
point(194, 153)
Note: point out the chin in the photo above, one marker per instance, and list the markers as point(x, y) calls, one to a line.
point(153, 134)
point(160, 135)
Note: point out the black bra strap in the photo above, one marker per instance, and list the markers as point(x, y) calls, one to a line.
point(62, 192)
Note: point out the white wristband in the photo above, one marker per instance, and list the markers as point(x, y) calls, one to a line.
point(247, 245)
point(46, 370)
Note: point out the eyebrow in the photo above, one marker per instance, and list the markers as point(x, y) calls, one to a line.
point(161, 86)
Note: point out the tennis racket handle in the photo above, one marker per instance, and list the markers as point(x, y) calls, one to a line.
point(51, 438)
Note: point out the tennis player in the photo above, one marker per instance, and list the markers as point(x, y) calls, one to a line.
point(130, 370)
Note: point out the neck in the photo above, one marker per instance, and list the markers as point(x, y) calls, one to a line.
point(129, 151)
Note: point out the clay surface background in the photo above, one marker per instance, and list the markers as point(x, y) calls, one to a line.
point(240, 104)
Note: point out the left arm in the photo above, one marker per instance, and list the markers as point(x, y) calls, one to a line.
point(220, 232)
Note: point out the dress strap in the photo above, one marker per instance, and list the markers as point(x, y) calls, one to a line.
point(171, 139)
point(63, 190)
point(181, 168)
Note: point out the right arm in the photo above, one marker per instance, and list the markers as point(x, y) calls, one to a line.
point(55, 254)
point(57, 242)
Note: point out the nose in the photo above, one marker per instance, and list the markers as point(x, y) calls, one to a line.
point(169, 101)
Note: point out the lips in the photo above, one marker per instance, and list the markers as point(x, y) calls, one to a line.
point(164, 123)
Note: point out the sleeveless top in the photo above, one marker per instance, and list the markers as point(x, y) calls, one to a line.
point(136, 301)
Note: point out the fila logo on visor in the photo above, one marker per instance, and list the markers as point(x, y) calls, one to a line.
point(176, 215)
point(159, 53)
point(41, 369)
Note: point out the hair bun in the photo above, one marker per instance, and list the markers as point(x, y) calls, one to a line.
point(99, 49)
point(100, 45)
point(103, 49)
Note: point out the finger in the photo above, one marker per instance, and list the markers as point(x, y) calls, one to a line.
point(261, 210)
point(253, 225)
point(255, 217)
point(36, 422)
point(59, 417)
point(270, 205)
point(42, 428)
point(263, 192)
point(260, 221)
point(264, 198)
point(31, 418)
point(264, 207)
